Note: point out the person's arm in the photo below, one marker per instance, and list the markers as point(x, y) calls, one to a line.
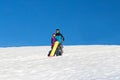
point(55, 39)
point(62, 37)
point(51, 41)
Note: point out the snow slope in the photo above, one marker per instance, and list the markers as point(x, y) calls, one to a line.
point(77, 63)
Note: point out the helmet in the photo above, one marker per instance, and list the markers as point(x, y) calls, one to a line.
point(57, 30)
point(53, 34)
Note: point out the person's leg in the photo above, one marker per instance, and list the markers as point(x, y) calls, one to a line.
point(49, 53)
point(57, 52)
point(51, 47)
point(61, 48)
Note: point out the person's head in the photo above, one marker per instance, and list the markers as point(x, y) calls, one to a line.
point(53, 35)
point(57, 31)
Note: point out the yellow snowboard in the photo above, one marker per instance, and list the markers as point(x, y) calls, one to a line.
point(54, 49)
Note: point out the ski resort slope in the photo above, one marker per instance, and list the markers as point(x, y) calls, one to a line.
point(97, 62)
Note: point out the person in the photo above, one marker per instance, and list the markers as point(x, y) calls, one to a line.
point(53, 40)
point(60, 39)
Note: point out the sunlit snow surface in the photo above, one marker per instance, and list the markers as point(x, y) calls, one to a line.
point(97, 62)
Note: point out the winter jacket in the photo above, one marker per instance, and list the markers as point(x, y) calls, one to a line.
point(59, 37)
point(53, 41)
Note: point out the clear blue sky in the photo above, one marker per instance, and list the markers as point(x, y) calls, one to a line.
point(31, 22)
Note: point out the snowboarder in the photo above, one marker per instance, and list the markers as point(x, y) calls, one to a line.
point(60, 38)
point(53, 40)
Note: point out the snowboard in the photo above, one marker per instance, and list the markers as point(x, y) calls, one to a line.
point(54, 49)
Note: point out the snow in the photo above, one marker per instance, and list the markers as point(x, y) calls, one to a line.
point(97, 62)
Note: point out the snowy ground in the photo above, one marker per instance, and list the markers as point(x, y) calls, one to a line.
point(77, 63)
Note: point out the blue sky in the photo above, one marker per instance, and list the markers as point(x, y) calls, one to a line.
point(82, 22)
